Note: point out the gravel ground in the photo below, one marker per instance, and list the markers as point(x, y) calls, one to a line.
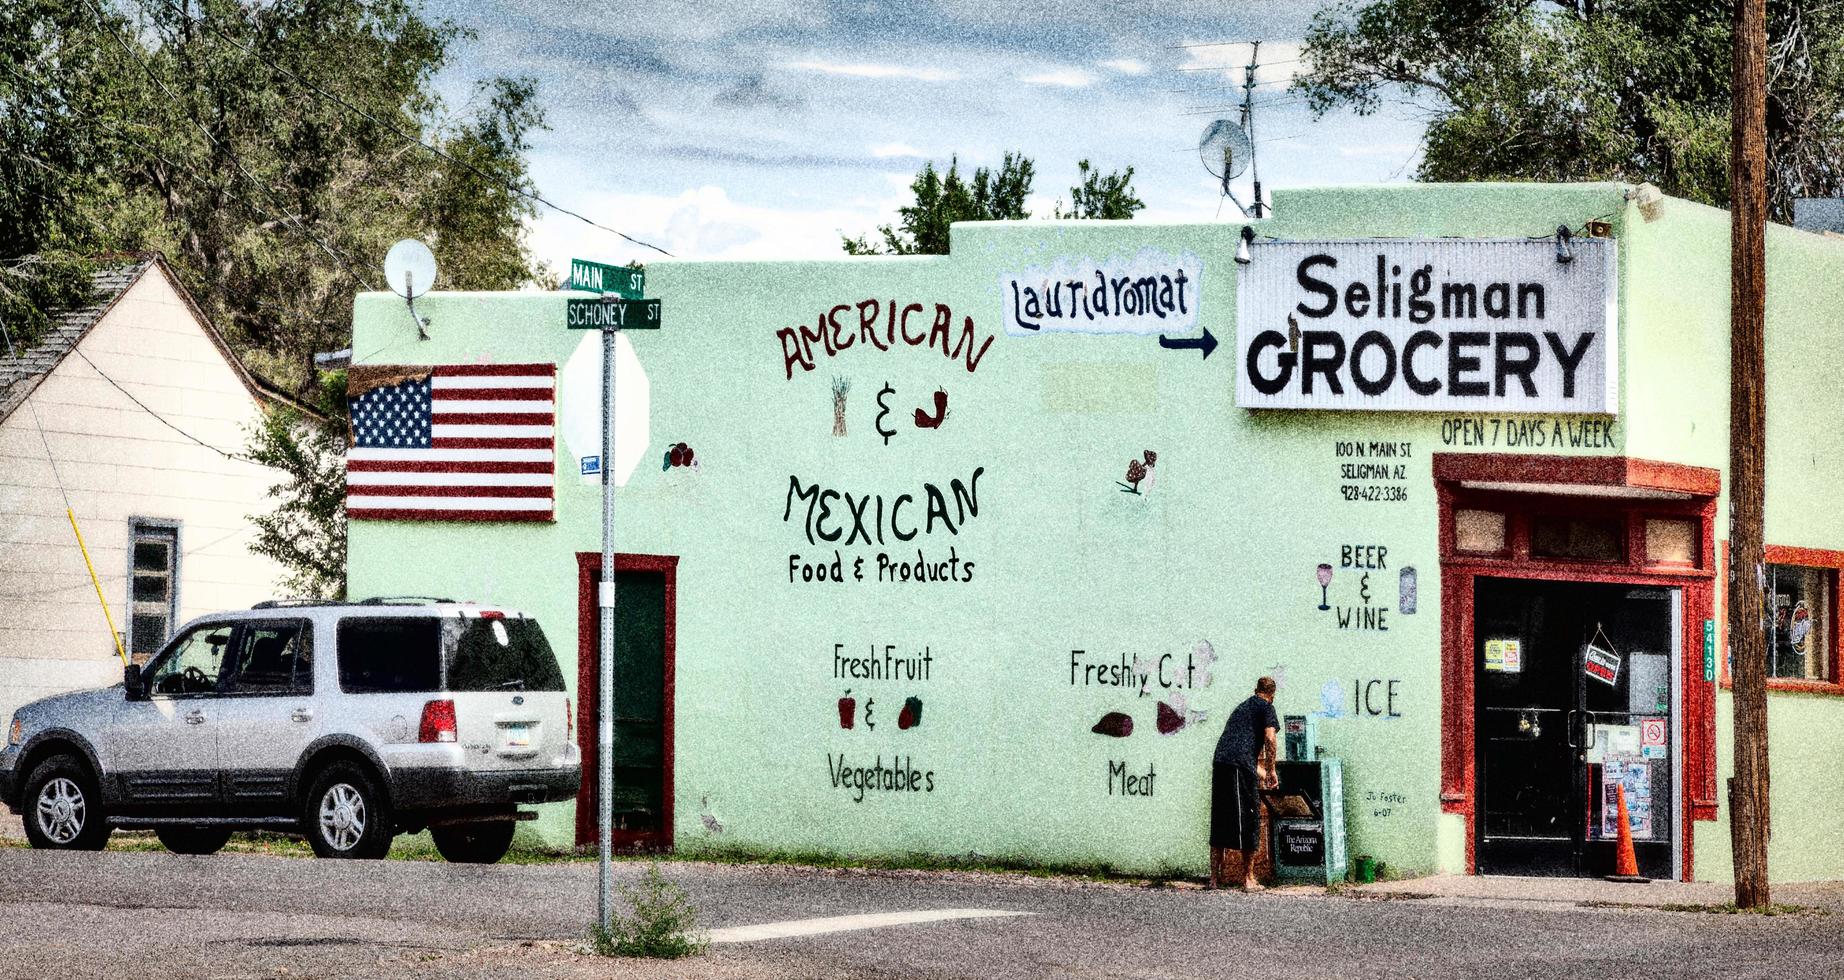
point(239, 915)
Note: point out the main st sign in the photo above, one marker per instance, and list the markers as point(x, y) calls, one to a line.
point(1428, 325)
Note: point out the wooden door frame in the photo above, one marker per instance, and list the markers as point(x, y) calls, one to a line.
point(588, 642)
point(1691, 496)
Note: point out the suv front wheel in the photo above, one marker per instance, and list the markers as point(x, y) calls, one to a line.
point(63, 807)
point(346, 816)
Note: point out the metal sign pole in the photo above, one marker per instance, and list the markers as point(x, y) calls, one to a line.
point(605, 735)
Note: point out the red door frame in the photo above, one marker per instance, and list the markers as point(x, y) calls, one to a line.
point(588, 643)
point(1694, 491)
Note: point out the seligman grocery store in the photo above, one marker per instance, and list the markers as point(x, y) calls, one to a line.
point(972, 554)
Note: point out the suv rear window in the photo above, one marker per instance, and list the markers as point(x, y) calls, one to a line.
point(390, 655)
point(499, 655)
point(408, 654)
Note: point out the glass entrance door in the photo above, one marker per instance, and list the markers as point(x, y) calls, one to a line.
point(1573, 701)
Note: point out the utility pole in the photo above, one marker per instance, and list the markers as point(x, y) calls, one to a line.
point(1748, 796)
point(1248, 122)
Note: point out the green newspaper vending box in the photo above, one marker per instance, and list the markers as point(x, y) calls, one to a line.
point(1306, 815)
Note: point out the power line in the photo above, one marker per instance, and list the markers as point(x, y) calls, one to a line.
point(162, 419)
point(400, 134)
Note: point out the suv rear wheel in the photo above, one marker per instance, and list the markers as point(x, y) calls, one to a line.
point(346, 816)
point(474, 843)
point(192, 840)
point(63, 807)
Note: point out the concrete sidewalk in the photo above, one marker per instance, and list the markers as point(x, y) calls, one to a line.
point(1468, 889)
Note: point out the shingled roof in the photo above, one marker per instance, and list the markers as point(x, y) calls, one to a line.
point(21, 374)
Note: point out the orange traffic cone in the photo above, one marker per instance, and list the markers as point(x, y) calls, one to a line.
point(1626, 865)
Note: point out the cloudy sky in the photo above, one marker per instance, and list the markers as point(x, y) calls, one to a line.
point(767, 128)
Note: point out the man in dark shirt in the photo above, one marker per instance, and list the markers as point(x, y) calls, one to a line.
point(1244, 762)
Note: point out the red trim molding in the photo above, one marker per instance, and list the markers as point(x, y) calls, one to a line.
point(1608, 471)
point(588, 642)
point(1459, 572)
point(1832, 561)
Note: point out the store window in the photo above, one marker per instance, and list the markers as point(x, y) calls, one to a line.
point(1481, 532)
point(1576, 538)
point(1799, 625)
point(1671, 541)
point(153, 589)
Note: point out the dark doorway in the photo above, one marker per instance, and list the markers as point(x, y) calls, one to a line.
point(1573, 687)
point(644, 627)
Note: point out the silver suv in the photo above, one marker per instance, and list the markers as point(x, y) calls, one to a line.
point(348, 723)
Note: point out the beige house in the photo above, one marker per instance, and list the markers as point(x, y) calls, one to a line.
point(129, 411)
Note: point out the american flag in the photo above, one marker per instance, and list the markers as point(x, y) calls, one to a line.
point(457, 442)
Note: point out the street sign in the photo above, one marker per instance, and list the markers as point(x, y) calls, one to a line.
point(597, 277)
point(1709, 649)
point(612, 314)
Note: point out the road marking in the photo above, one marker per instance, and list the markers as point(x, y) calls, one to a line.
point(847, 923)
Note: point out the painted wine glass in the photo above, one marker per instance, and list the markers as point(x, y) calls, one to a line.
point(1325, 582)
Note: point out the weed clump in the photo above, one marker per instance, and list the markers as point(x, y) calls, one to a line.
point(662, 925)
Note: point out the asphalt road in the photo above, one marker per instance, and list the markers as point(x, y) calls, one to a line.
point(148, 914)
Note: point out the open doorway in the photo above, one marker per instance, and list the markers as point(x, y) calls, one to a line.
point(645, 618)
point(1575, 698)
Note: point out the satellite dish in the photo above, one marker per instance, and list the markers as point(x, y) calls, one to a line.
point(409, 271)
point(1226, 152)
point(409, 268)
point(1225, 149)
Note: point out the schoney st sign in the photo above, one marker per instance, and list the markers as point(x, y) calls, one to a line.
point(1428, 325)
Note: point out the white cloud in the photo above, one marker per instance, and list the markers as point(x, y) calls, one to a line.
point(1065, 77)
point(1125, 66)
point(885, 151)
point(1279, 62)
point(704, 223)
point(871, 70)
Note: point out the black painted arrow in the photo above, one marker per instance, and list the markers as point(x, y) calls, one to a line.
point(1207, 342)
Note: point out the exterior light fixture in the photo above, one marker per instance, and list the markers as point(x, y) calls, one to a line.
point(1242, 247)
point(1565, 248)
point(1650, 199)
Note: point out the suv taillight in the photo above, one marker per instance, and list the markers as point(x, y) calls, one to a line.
point(569, 722)
point(438, 722)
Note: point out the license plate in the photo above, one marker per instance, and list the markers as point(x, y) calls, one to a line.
point(517, 736)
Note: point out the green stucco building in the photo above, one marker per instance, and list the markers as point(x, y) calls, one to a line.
point(973, 554)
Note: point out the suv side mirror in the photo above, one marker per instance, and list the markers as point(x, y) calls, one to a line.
point(134, 683)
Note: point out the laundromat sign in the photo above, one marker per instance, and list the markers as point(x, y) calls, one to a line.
point(1428, 325)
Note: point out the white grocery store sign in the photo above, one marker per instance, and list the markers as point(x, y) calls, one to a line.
point(1428, 325)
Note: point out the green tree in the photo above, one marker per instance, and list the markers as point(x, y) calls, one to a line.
point(1107, 197)
point(942, 199)
point(306, 532)
point(1632, 90)
point(262, 148)
point(270, 151)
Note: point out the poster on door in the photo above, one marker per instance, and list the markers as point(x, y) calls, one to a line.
point(1636, 776)
point(1504, 656)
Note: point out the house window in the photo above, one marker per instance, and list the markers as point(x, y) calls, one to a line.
point(153, 589)
point(1799, 625)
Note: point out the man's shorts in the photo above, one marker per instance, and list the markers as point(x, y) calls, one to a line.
point(1235, 808)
